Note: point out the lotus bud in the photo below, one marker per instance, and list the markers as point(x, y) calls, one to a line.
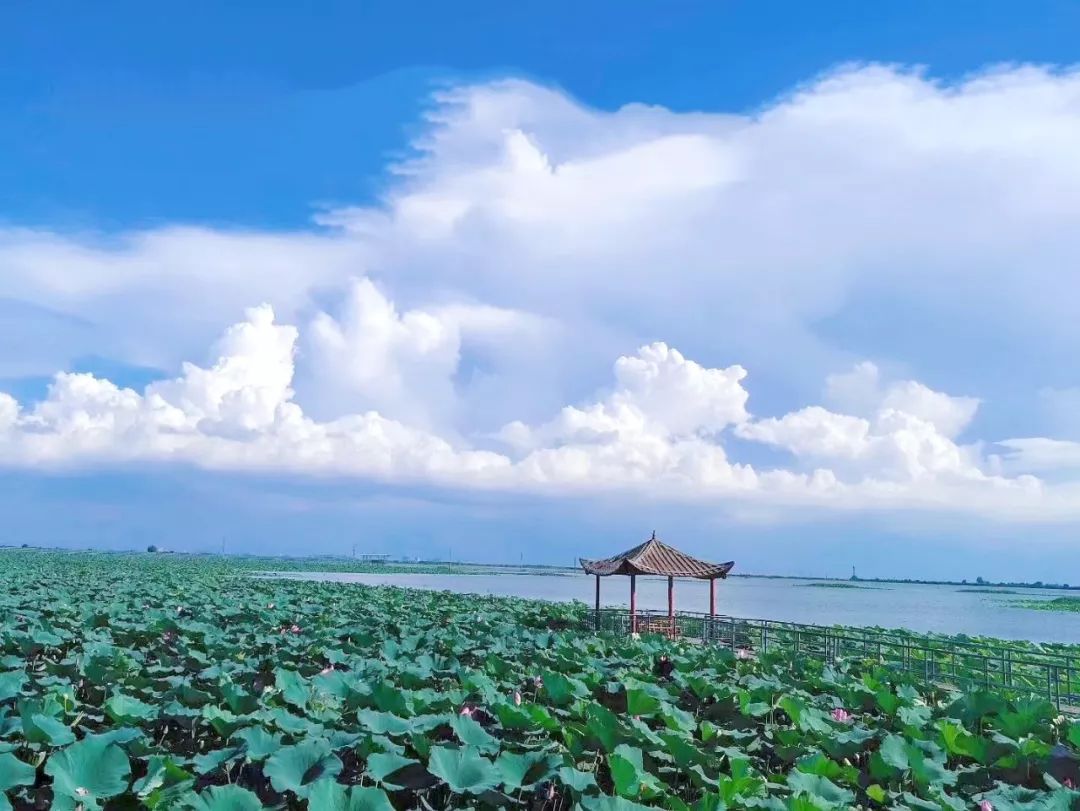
point(986, 805)
point(517, 698)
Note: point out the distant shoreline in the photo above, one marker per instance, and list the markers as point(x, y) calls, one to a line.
point(357, 565)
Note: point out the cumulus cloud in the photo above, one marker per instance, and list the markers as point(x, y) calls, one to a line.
point(661, 430)
point(237, 414)
point(529, 240)
point(947, 210)
point(404, 365)
point(658, 392)
point(860, 391)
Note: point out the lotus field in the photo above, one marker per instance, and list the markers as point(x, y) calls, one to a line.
point(171, 682)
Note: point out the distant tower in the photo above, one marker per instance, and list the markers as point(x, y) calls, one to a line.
point(853, 575)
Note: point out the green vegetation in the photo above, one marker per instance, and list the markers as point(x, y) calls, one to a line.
point(839, 585)
point(987, 591)
point(1069, 604)
point(172, 682)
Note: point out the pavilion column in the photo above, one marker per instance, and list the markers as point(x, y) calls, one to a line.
point(712, 608)
point(671, 605)
point(598, 602)
point(633, 603)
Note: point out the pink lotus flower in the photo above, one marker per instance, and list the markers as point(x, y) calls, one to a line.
point(538, 682)
point(551, 791)
point(168, 637)
point(986, 805)
point(327, 669)
point(269, 605)
point(295, 629)
point(842, 716)
point(466, 711)
point(1068, 783)
point(744, 654)
point(517, 698)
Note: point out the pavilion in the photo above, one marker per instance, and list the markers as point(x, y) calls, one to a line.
point(654, 557)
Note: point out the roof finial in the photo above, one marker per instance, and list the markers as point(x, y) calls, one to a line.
point(653, 538)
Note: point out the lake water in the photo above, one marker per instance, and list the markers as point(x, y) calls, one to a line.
point(942, 609)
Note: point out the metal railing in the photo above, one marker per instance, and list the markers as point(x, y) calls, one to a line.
point(941, 661)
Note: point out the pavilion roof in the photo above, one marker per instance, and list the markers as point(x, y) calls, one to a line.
point(656, 557)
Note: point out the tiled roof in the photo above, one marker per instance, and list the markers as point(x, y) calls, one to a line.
point(656, 557)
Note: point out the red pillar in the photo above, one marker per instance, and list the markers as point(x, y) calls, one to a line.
point(598, 602)
point(633, 603)
point(671, 605)
point(712, 596)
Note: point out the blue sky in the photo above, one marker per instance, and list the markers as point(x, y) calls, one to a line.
point(792, 285)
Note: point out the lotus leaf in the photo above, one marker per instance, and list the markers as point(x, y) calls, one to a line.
point(463, 769)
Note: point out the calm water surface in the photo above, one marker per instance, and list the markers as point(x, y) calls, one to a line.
point(943, 609)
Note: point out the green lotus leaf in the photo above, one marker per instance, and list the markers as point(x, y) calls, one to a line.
point(464, 769)
point(258, 743)
point(214, 759)
point(226, 798)
point(891, 758)
point(39, 728)
point(164, 783)
point(605, 803)
point(628, 773)
point(820, 787)
point(563, 689)
point(11, 684)
point(470, 733)
point(380, 766)
point(223, 722)
point(327, 795)
point(642, 703)
point(295, 768)
point(526, 769)
point(127, 710)
point(88, 772)
point(14, 772)
point(383, 723)
point(604, 724)
point(294, 688)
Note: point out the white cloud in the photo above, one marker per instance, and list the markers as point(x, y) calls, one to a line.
point(402, 365)
point(860, 392)
point(236, 415)
point(1041, 454)
point(531, 240)
point(658, 393)
point(729, 236)
point(907, 433)
point(659, 432)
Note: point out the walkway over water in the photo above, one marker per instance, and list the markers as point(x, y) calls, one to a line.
point(1035, 670)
